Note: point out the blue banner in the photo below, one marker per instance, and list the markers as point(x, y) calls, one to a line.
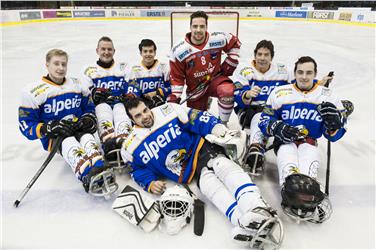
point(89, 13)
point(291, 14)
point(155, 13)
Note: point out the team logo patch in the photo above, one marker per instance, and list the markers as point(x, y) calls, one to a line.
point(174, 160)
point(191, 64)
point(193, 116)
point(23, 113)
point(166, 109)
point(213, 55)
point(268, 111)
point(90, 70)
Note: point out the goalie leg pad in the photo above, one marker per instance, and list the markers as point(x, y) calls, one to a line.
point(138, 209)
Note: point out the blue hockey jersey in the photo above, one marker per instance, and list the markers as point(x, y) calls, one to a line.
point(296, 107)
point(45, 101)
point(170, 147)
point(149, 80)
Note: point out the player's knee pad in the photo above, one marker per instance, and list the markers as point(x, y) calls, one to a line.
point(223, 167)
point(208, 182)
point(303, 200)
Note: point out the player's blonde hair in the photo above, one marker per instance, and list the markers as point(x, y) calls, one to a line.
point(55, 52)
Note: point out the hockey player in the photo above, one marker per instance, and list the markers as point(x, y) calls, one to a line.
point(106, 82)
point(151, 76)
point(196, 62)
point(253, 85)
point(59, 106)
point(168, 142)
point(297, 115)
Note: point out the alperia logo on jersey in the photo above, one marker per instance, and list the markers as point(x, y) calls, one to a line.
point(301, 113)
point(114, 84)
point(161, 141)
point(149, 84)
point(59, 105)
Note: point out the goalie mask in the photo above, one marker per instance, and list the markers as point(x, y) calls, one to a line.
point(176, 207)
point(303, 200)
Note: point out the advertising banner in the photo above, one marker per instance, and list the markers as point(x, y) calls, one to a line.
point(155, 13)
point(49, 14)
point(320, 14)
point(30, 15)
point(345, 16)
point(63, 13)
point(122, 13)
point(291, 14)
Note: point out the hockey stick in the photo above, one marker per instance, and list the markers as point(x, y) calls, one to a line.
point(199, 212)
point(53, 151)
point(200, 87)
point(328, 150)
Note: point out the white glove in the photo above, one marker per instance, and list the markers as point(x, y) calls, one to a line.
point(233, 141)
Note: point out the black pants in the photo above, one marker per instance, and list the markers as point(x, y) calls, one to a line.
point(208, 151)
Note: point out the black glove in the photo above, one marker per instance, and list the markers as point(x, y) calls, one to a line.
point(56, 128)
point(283, 132)
point(154, 101)
point(100, 95)
point(87, 123)
point(330, 115)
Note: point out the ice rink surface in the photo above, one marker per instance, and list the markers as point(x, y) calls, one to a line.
point(57, 213)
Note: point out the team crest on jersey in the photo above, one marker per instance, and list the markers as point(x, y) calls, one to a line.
point(281, 69)
point(283, 92)
point(40, 89)
point(193, 116)
point(122, 66)
point(23, 113)
point(191, 64)
point(166, 109)
point(238, 85)
point(213, 55)
point(246, 71)
point(174, 160)
point(268, 111)
point(90, 71)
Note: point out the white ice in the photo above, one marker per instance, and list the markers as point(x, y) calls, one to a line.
point(57, 213)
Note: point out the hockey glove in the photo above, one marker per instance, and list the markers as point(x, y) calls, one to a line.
point(55, 128)
point(330, 115)
point(228, 66)
point(100, 95)
point(283, 132)
point(87, 123)
point(173, 98)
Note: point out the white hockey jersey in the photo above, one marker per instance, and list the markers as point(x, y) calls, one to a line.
point(296, 107)
point(44, 101)
point(247, 76)
point(149, 80)
point(109, 78)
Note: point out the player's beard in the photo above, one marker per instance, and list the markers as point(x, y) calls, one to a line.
point(199, 37)
point(149, 122)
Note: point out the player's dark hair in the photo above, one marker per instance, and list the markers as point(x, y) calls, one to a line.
point(305, 59)
point(104, 39)
point(147, 43)
point(130, 103)
point(265, 44)
point(198, 14)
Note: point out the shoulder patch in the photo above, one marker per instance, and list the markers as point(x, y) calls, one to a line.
point(23, 113)
point(246, 71)
point(281, 68)
point(122, 66)
point(41, 88)
point(166, 109)
point(90, 70)
point(193, 115)
point(268, 111)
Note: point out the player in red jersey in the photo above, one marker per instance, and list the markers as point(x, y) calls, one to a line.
point(196, 61)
